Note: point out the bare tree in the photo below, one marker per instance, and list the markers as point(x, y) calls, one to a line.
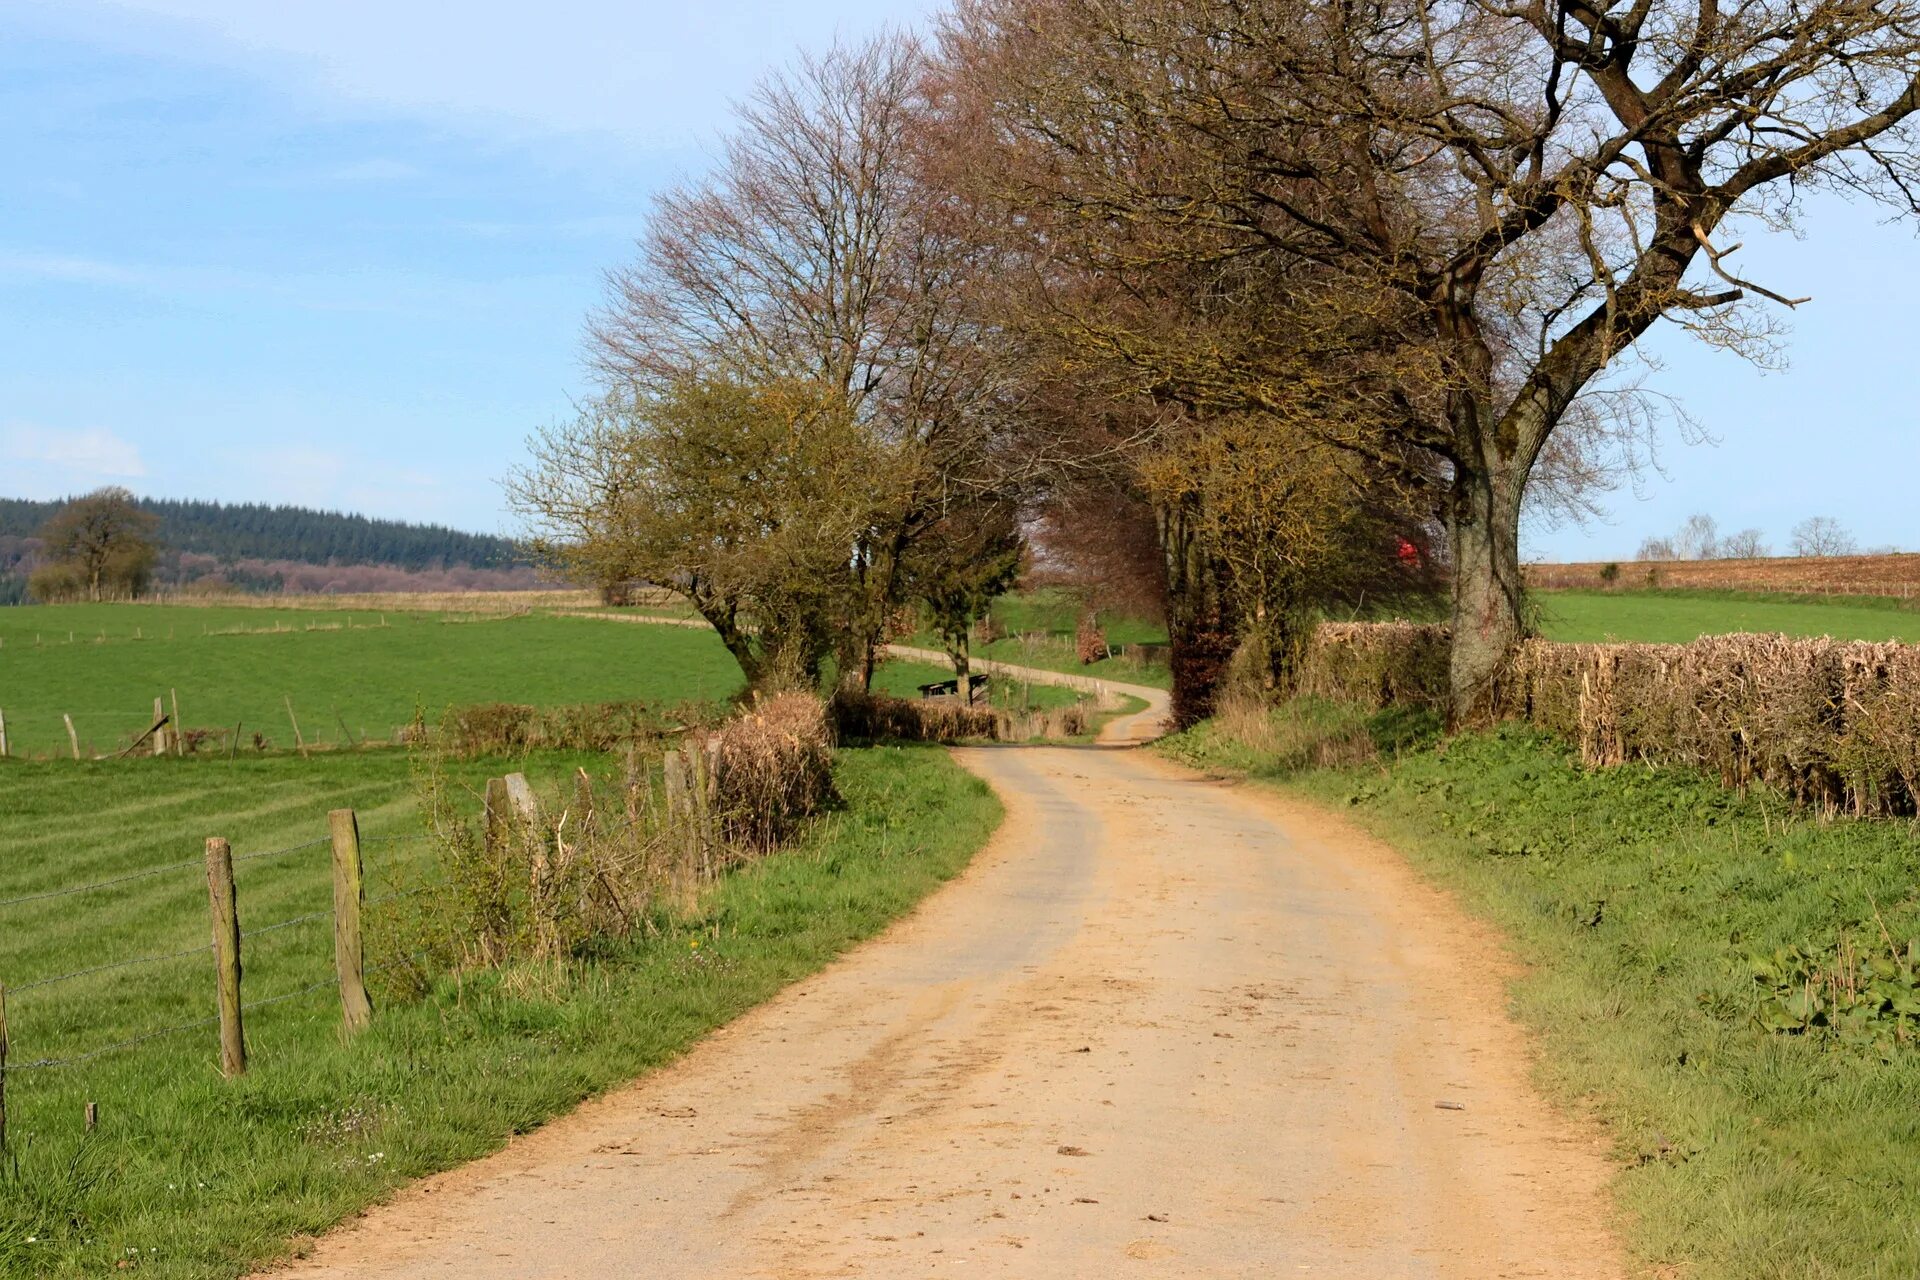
point(1656, 549)
point(1698, 539)
point(813, 253)
point(1748, 544)
point(1822, 536)
point(1525, 186)
point(97, 547)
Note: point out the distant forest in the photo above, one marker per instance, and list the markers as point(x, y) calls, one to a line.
point(212, 546)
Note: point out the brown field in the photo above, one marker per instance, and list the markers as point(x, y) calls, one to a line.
point(1882, 575)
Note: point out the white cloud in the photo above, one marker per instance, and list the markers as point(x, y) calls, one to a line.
point(84, 451)
point(68, 269)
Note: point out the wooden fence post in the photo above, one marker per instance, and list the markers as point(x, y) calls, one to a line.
point(73, 736)
point(179, 747)
point(159, 726)
point(495, 820)
point(298, 741)
point(3, 1068)
point(226, 955)
point(349, 895)
point(4, 753)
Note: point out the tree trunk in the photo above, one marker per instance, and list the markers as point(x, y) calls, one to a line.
point(1489, 592)
point(958, 651)
point(1200, 624)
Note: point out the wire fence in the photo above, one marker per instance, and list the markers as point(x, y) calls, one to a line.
point(150, 872)
point(333, 979)
point(49, 1064)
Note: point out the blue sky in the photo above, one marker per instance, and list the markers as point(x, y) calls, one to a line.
point(338, 254)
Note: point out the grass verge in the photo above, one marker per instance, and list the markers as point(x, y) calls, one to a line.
point(190, 1175)
point(1727, 985)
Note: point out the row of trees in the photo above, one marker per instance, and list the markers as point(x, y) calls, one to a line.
point(1306, 299)
point(1700, 539)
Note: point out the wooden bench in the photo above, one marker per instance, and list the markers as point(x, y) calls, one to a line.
point(951, 688)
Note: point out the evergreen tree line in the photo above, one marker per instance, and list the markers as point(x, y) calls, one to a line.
point(253, 546)
point(253, 530)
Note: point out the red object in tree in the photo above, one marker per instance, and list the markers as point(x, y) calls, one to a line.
point(1408, 553)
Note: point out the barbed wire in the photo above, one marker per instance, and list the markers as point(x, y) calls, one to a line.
point(275, 853)
point(154, 871)
point(103, 968)
point(307, 990)
point(285, 924)
point(101, 884)
point(47, 1064)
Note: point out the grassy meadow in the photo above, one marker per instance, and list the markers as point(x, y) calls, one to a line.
point(189, 1175)
point(1676, 617)
point(1041, 627)
point(346, 673)
point(1729, 986)
point(318, 1129)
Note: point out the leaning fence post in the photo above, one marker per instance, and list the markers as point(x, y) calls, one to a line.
point(349, 894)
point(73, 737)
point(495, 820)
point(159, 727)
point(226, 955)
point(3, 1068)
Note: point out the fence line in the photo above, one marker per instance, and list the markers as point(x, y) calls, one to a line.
point(286, 924)
point(47, 1064)
point(154, 871)
point(274, 853)
point(103, 968)
point(99, 884)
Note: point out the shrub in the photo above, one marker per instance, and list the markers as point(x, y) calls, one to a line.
point(532, 880)
point(509, 728)
point(863, 716)
point(1835, 725)
point(771, 768)
point(1090, 639)
point(1378, 664)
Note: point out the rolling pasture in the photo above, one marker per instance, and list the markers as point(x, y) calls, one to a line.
point(347, 674)
point(104, 918)
point(1675, 617)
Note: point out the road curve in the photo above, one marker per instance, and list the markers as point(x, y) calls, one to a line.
point(1144, 725)
point(1163, 1026)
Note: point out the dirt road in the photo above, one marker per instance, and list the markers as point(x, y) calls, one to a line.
point(1162, 1027)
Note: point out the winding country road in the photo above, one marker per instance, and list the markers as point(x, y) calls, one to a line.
point(1162, 1026)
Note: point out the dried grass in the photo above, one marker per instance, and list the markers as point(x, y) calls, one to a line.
point(1896, 575)
point(509, 728)
point(772, 768)
point(863, 716)
point(1834, 724)
point(1377, 664)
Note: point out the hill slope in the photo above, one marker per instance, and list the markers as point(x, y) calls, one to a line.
point(257, 547)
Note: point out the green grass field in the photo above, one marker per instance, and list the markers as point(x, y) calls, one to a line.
point(903, 679)
point(1646, 907)
point(1679, 616)
point(193, 1176)
point(1041, 628)
point(344, 672)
